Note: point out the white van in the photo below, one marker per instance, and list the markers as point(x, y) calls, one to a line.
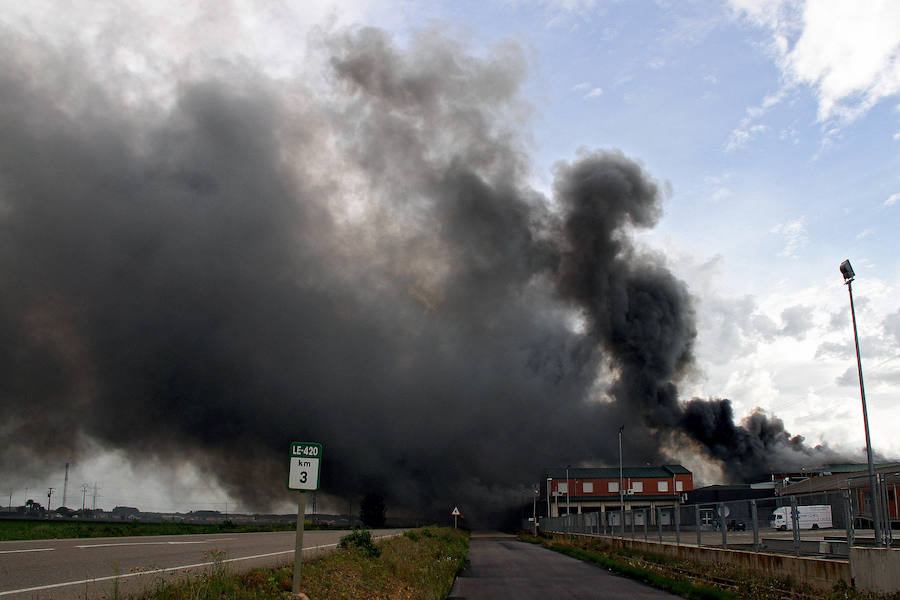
point(815, 516)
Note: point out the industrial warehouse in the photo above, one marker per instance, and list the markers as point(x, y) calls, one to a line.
point(828, 513)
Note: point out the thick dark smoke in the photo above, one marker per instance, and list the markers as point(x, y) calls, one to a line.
point(362, 264)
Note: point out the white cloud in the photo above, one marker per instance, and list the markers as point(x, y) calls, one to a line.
point(850, 52)
point(720, 194)
point(865, 233)
point(717, 188)
point(786, 348)
point(795, 235)
point(741, 136)
point(594, 93)
point(847, 52)
point(892, 200)
point(581, 86)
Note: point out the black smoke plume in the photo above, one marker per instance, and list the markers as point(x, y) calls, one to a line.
point(359, 261)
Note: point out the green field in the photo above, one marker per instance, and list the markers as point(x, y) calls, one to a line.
point(42, 530)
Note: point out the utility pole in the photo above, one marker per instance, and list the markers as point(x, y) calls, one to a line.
point(49, 497)
point(84, 487)
point(66, 485)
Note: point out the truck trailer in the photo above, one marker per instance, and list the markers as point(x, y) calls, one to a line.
point(815, 516)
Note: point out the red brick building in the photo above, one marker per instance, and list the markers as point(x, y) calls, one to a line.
point(597, 489)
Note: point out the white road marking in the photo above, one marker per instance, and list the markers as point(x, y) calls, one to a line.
point(152, 571)
point(166, 570)
point(129, 544)
point(29, 550)
point(152, 543)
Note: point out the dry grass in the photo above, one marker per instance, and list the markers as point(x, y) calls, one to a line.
point(419, 565)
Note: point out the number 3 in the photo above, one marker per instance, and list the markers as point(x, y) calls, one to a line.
point(302, 476)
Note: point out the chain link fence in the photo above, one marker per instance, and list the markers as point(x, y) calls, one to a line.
point(824, 524)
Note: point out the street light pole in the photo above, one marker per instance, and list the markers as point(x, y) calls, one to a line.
point(621, 483)
point(568, 493)
point(549, 486)
point(849, 275)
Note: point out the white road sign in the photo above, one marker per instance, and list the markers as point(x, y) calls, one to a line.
point(304, 473)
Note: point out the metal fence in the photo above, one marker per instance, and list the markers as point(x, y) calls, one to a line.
point(820, 524)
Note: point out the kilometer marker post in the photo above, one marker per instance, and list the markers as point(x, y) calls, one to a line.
point(304, 475)
point(298, 544)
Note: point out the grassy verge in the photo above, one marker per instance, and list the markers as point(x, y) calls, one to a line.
point(420, 564)
point(693, 580)
point(43, 530)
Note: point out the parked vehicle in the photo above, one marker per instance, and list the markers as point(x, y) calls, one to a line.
point(734, 525)
point(816, 516)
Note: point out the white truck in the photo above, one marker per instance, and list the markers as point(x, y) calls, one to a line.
point(815, 516)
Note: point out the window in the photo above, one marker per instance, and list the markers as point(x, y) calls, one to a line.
point(612, 486)
point(662, 486)
point(679, 486)
point(637, 486)
point(563, 487)
point(587, 487)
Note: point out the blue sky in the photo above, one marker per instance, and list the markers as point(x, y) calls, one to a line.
point(774, 126)
point(777, 128)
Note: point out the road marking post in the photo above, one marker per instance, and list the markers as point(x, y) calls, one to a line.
point(304, 475)
point(298, 546)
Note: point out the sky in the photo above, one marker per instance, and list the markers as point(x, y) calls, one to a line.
point(771, 130)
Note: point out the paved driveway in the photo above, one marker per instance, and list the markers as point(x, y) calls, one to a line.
point(500, 566)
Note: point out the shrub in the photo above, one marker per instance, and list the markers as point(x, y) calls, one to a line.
point(361, 540)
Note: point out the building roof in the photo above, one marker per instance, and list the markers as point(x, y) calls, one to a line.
point(726, 493)
point(842, 481)
point(853, 467)
point(664, 471)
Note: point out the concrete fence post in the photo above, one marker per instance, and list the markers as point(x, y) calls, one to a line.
point(697, 521)
point(677, 524)
point(723, 524)
point(795, 524)
point(754, 516)
point(848, 519)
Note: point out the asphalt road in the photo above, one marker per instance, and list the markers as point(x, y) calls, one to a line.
point(500, 566)
point(98, 567)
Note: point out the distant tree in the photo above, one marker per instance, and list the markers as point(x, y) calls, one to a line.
point(372, 510)
point(32, 507)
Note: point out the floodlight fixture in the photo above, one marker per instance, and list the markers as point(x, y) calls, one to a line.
point(847, 271)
